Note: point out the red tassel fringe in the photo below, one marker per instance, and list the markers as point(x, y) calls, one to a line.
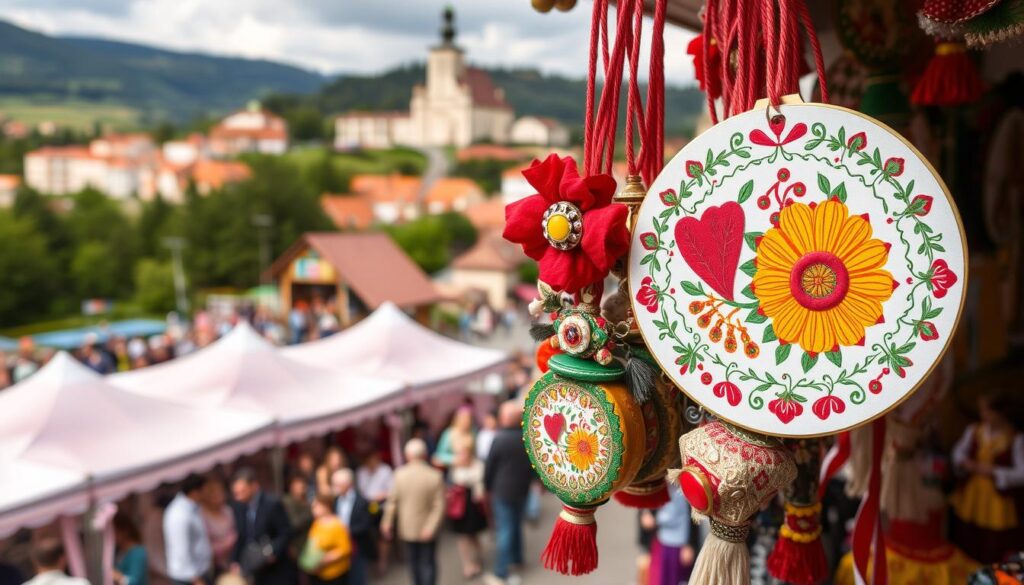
point(950, 79)
point(797, 562)
point(647, 500)
point(572, 548)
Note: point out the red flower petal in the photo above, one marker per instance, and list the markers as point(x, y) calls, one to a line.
point(523, 225)
point(546, 176)
point(605, 236)
point(574, 188)
point(567, 271)
point(796, 132)
point(759, 137)
point(602, 187)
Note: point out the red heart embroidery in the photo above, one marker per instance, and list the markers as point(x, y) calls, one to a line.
point(711, 245)
point(554, 424)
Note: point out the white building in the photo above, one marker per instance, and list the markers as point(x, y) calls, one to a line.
point(115, 164)
point(458, 105)
point(250, 130)
point(540, 131)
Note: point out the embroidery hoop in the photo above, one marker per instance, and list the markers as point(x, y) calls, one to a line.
point(700, 393)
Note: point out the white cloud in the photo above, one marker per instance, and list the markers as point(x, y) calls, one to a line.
point(338, 36)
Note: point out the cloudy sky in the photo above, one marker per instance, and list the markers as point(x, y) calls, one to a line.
point(336, 36)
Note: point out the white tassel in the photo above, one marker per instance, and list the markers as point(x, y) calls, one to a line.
point(721, 561)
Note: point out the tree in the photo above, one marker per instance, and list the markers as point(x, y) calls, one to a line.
point(325, 177)
point(29, 271)
point(98, 219)
point(484, 172)
point(154, 285)
point(433, 240)
point(94, 273)
point(153, 224)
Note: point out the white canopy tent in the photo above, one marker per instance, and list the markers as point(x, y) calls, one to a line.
point(392, 345)
point(66, 424)
point(32, 494)
point(243, 371)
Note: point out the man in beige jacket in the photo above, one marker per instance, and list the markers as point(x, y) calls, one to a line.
point(417, 502)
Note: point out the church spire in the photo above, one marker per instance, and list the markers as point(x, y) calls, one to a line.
point(448, 29)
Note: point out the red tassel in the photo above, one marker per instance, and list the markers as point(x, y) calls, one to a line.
point(799, 556)
point(950, 79)
point(573, 542)
point(647, 497)
point(798, 563)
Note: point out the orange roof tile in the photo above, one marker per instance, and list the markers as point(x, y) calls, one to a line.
point(223, 133)
point(491, 252)
point(217, 173)
point(386, 188)
point(488, 215)
point(491, 151)
point(347, 211)
point(448, 190)
point(71, 151)
point(9, 181)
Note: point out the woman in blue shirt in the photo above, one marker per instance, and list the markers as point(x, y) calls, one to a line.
point(671, 553)
point(132, 564)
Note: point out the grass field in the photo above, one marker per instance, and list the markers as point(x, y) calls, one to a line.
point(79, 115)
point(396, 160)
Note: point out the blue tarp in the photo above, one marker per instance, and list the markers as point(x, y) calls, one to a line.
point(75, 338)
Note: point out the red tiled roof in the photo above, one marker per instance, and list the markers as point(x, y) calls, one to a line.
point(402, 188)
point(347, 211)
point(491, 151)
point(217, 173)
point(488, 215)
point(482, 89)
point(448, 190)
point(9, 181)
point(491, 252)
point(371, 264)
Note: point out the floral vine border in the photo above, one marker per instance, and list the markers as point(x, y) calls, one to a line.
point(713, 174)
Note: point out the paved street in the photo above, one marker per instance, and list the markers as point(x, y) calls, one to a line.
point(616, 535)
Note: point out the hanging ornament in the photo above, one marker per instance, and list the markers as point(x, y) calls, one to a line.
point(728, 474)
point(812, 260)
point(570, 227)
point(950, 79)
point(585, 436)
point(663, 422)
point(799, 556)
point(1004, 22)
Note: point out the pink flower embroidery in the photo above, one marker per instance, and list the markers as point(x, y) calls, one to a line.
point(647, 296)
point(729, 391)
point(786, 409)
point(824, 406)
point(940, 278)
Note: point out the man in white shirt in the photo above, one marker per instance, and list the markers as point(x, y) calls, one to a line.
point(50, 562)
point(186, 543)
point(354, 512)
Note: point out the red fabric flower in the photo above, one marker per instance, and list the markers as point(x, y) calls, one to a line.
point(941, 278)
point(604, 235)
point(826, 405)
point(708, 83)
point(786, 409)
point(729, 391)
point(647, 296)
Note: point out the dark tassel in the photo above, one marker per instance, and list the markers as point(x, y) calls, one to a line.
point(541, 331)
point(640, 378)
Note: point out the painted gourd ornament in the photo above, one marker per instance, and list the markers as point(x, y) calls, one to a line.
point(584, 434)
point(663, 423)
point(798, 273)
point(728, 474)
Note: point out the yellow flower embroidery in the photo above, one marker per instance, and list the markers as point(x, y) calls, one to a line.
point(581, 449)
point(820, 277)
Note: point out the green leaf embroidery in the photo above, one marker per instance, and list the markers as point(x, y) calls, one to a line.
point(748, 292)
point(755, 317)
point(835, 357)
point(839, 192)
point(692, 289)
point(769, 335)
point(749, 267)
point(807, 361)
point(823, 184)
point(745, 191)
point(782, 352)
point(751, 239)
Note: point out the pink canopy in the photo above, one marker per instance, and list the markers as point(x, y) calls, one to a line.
point(390, 344)
point(68, 417)
point(32, 494)
point(243, 371)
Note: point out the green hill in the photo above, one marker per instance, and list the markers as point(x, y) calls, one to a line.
point(527, 90)
point(158, 83)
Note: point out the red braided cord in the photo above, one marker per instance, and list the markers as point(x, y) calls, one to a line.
point(708, 35)
point(652, 148)
point(819, 61)
point(588, 165)
point(633, 107)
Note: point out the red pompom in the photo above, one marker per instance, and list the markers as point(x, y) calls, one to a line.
point(950, 79)
point(572, 548)
point(798, 563)
point(709, 83)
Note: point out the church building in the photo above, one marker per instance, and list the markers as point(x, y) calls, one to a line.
point(458, 106)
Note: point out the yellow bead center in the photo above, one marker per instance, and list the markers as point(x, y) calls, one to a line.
point(558, 227)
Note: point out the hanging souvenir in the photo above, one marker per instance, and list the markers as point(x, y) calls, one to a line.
point(728, 474)
point(807, 261)
point(585, 436)
point(799, 556)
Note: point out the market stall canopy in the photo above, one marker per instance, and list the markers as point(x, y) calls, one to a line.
point(390, 344)
point(243, 371)
point(68, 417)
point(32, 494)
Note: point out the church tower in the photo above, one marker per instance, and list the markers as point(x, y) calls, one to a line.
point(445, 65)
